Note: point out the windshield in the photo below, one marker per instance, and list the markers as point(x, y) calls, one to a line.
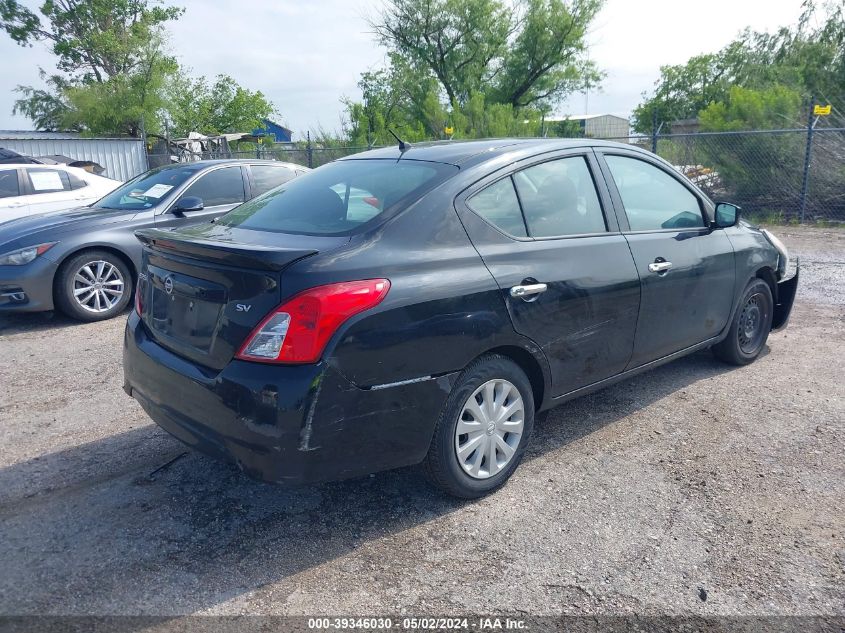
point(340, 197)
point(148, 189)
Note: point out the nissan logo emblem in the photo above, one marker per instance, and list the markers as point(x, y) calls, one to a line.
point(168, 285)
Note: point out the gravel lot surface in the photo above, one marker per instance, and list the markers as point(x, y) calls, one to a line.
point(693, 480)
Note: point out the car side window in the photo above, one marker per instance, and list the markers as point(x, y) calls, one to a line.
point(653, 199)
point(559, 198)
point(9, 183)
point(267, 177)
point(47, 180)
point(499, 205)
point(218, 187)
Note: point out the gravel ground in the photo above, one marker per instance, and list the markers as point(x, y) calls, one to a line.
point(693, 480)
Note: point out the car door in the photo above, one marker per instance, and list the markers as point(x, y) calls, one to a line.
point(220, 188)
point(49, 189)
point(686, 267)
point(547, 233)
point(12, 203)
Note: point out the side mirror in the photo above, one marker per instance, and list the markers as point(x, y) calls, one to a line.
point(727, 215)
point(188, 203)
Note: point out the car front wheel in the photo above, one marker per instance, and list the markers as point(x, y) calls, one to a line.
point(751, 326)
point(93, 286)
point(483, 429)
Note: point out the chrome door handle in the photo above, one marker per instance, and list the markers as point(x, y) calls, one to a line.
point(659, 267)
point(531, 289)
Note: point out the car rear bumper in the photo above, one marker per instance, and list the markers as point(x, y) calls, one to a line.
point(282, 424)
point(27, 288)
point(785, 299)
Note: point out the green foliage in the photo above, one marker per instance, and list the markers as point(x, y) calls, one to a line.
point(455, 40)
point(218, 108)
point(480, 67)
point(93, 39)
point(805, 60)
point(117, 75)
point(112, 55)
point(745, 108)
point(546, 59)
point(45, 108)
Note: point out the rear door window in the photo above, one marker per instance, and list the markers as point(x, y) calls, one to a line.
point(9, 183)
point(341, 197)
point(499, 205)
point(218, 187)
point(559, 198)
point(47, 180)
point(267, 177)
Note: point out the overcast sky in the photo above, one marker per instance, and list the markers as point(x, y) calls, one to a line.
point(306, 55)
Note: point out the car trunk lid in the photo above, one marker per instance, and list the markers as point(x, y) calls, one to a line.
point(205, 289)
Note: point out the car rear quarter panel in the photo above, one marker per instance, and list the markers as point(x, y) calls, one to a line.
point(443, 310)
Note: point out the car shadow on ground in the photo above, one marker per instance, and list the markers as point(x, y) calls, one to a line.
point(21, 322)
point(115, 526)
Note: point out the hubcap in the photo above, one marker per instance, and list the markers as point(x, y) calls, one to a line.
point(98, 286)
point(489, 429)
point(750, 330)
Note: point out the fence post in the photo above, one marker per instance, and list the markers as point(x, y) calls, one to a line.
point(808, 155)
point(309, 150)
point(654, 131)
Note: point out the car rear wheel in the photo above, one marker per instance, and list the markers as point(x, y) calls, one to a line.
point(93, 286)
point(751, 326)
point(483, 429)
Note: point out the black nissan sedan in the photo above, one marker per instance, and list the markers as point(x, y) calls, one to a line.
point(424, 304)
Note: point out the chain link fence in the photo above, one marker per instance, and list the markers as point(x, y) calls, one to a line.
point(768, 173)
point(771, 174)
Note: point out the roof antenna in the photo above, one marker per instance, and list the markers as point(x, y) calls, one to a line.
point(404, 146)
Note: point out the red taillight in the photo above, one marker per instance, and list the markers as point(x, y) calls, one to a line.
point(299, 329)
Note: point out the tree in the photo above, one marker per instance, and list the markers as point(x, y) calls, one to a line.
point(481, 67)
point(93, 39)
point(456, 40)
point(808, 60)
point(547, 60)
point(111, 58)
point(531, 54)
point(194, 105)
point(745, 108)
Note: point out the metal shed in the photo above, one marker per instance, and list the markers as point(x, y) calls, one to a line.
point(607, 126)
point(122, 158)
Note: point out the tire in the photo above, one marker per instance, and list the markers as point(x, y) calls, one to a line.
point(471, 475)
point(751, 325)
point(93, 285)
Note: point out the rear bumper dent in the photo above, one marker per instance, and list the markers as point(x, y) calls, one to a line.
point(283, 424)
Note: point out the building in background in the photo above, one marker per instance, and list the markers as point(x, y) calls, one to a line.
point(275, 132)
point(589, 126)
point(121, 158)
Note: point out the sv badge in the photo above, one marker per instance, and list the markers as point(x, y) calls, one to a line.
point(242, 307)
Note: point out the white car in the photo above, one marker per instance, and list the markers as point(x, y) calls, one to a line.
point(30, 189)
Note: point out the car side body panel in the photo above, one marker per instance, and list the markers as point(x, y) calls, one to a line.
point(374, 399)
point(443, 310)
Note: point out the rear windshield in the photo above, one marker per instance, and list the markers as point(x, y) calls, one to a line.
point(340, 197)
